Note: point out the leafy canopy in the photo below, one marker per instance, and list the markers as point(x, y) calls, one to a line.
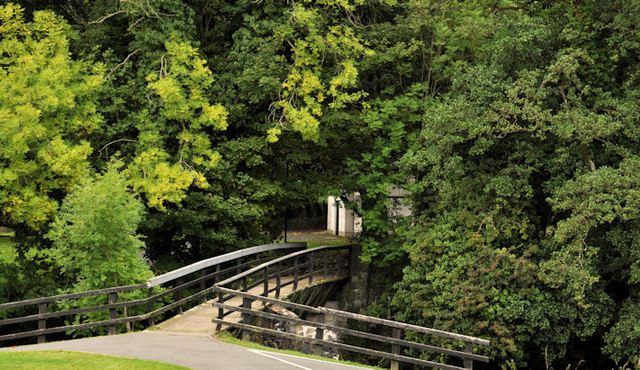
point(94, 234)
point(47, 109)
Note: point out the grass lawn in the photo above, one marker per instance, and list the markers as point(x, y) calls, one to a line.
point(316, 243)
point(319, 240)
point(228, 338)
point(7, 253)
point(76, 360)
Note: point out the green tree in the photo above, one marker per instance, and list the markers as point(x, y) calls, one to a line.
point(524, 175)
point(94, 234)
point(181, 86)
point(512, 123)
point(95, 241)
point(47, 110)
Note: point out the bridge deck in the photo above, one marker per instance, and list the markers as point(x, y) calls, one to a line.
point(198, 319)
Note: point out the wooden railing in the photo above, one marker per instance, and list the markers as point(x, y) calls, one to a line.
point(266, 269)
point(317, 263)
point(466, 357)
point(195, 280)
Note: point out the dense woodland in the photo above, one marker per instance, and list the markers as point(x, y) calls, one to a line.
point(185, 127)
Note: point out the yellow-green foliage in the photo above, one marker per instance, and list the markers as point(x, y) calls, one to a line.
point(161, 181)
point(312, 88)
point(182, 85)
point(46, 108)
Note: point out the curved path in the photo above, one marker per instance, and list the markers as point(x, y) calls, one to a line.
point(186, 340)
point(198, 319)
point(193, 351)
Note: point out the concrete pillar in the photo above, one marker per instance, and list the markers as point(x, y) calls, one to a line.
point(331, 216)
point(347, 223)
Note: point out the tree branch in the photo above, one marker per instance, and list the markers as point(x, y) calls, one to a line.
point(121, 64)
point(105, 17)
point(584, 151)
point(74, 14)
point(117, 141)
point(134, 24)
point(517, 7)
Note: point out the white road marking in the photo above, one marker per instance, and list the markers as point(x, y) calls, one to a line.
point(332, 363)
point(278, 359)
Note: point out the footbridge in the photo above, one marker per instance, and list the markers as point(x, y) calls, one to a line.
point(246, 291)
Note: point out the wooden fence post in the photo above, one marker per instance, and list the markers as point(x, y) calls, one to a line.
point(349, 260)
point(246, 318)
point(468, 348)
point(325, 267)
point(257, 259)
point(395, 349)
point(150, 305)
point(220, 309)
point(125, 314)
point(334, 263)
point(217, 278)
point(179, 293)
point(203, 284)
point(311, 267)
point(319, 335)
point(278, 280)
point(113, 298)
point(42, 323)
point(266, 282)
point(295, 273)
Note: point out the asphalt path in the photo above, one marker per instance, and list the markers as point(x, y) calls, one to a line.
point(193, 351)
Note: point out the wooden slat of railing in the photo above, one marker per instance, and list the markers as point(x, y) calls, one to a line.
point(176, 274)
point(245, 264)
point(400, 325)
point(76, 311)
point(342, 346)
point(261, 282)
point(267, 299)
point(186, 270)
point(58, 329)
point(71, 296)
point(355, 333)
point(213, 275)
point(257, 269)
point(402, 342)
point(266, 315)
point(175, 304)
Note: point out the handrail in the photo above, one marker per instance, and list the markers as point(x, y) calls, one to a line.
point(246, 325)
point(280, 259)
point(279, 302)
point(171, 275)
point(176, 292)
point(186, 270)
point(405, 326)
point(342, 346)
point(52, 298)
